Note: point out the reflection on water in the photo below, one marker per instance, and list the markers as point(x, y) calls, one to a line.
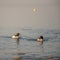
point(17, 41)
point(42, 48)
point(17, 46)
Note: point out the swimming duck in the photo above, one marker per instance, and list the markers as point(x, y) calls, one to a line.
point(40, 39)
point(16, 36)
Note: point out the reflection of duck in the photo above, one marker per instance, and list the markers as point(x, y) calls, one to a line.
point(40, 39)
point(16, 36)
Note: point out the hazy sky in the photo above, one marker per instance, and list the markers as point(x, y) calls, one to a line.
point(19, 13)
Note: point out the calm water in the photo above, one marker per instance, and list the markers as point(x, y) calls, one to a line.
point(29, 48)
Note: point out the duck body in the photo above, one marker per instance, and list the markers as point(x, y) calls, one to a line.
point(40, 40)
point(15, 37)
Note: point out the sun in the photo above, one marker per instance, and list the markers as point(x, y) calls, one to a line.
point(34, 10)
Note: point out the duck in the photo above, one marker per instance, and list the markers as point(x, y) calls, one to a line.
point(16, 36)
point(40, 39)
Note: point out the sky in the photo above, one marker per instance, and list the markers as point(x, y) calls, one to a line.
point(30, 13)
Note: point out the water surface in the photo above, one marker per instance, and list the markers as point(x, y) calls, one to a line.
point(29, 48)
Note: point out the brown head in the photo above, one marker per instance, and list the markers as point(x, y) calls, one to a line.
point(17, 34)
point(41, 37)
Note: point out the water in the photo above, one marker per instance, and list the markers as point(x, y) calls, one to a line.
point(29, 48)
